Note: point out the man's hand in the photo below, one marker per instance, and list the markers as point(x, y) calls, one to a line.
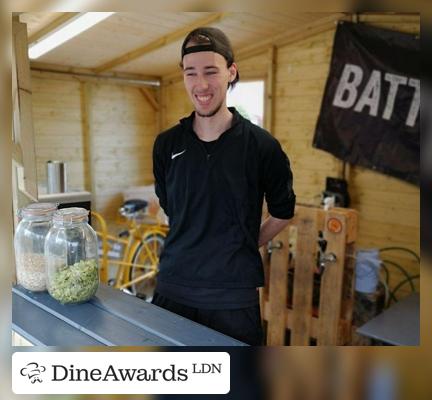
point(270, 228)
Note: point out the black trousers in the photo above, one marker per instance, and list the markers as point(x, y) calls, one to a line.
point(243, 324)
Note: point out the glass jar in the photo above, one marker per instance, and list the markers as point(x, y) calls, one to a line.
point(29, 240)
point(71, 254)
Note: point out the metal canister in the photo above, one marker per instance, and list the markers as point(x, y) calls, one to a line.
point(56, 176)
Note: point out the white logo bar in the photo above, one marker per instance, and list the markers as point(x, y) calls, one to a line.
point(120, 373)
point(177, 154)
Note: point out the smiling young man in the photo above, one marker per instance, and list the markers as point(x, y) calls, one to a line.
point(212, 172)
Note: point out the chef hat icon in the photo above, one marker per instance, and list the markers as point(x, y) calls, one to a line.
point(33, 370)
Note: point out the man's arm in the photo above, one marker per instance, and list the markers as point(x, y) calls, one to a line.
point(270, 228)
point(159, 175)
point(278, 189)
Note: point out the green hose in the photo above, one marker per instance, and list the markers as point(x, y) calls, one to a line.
point(386, 293)
point(403, 270)
point(400, 284)
point(413, 253)
point(387, 274)
point(408, 278)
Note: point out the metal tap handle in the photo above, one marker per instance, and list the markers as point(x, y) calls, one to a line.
point(271, 246)
point(324, 259)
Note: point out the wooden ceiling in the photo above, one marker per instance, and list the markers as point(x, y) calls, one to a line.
point(149, 44)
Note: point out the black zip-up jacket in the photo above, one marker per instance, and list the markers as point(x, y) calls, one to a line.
point(214, 202)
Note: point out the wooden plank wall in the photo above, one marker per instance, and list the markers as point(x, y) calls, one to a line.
point(176, 104)
point(121, 125)
point(57, 124)
point(388, 207)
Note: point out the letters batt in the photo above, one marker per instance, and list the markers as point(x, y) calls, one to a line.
point(351, 78)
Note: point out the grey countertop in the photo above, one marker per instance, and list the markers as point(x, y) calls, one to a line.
point(111, 318)
point(398, 325)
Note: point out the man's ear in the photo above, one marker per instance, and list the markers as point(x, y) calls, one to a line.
point(233, 71)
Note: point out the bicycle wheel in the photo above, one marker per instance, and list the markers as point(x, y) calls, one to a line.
point(144, 289)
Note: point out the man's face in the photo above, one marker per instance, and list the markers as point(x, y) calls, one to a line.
point(206, 77)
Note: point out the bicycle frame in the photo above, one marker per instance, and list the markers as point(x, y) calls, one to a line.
point(138, 232)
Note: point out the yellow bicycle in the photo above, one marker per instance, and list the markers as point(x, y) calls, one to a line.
point(141, 244)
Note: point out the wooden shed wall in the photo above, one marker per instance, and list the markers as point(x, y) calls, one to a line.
point(122, 128)
point(57, 127)
point(389, 208)
point(106, 143)
point(176, 104)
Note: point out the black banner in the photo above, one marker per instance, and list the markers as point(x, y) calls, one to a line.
point(370, 112)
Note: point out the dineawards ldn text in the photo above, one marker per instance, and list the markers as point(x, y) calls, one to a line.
point(112, 374)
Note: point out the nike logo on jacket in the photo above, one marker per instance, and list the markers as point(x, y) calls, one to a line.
point(177, 154)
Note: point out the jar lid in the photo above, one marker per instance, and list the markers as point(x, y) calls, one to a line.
point(71, 214)
point(38, 209)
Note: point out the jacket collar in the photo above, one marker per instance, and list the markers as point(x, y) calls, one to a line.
point(187, 122)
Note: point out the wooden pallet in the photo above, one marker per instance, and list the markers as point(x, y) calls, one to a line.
point(292, 283)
